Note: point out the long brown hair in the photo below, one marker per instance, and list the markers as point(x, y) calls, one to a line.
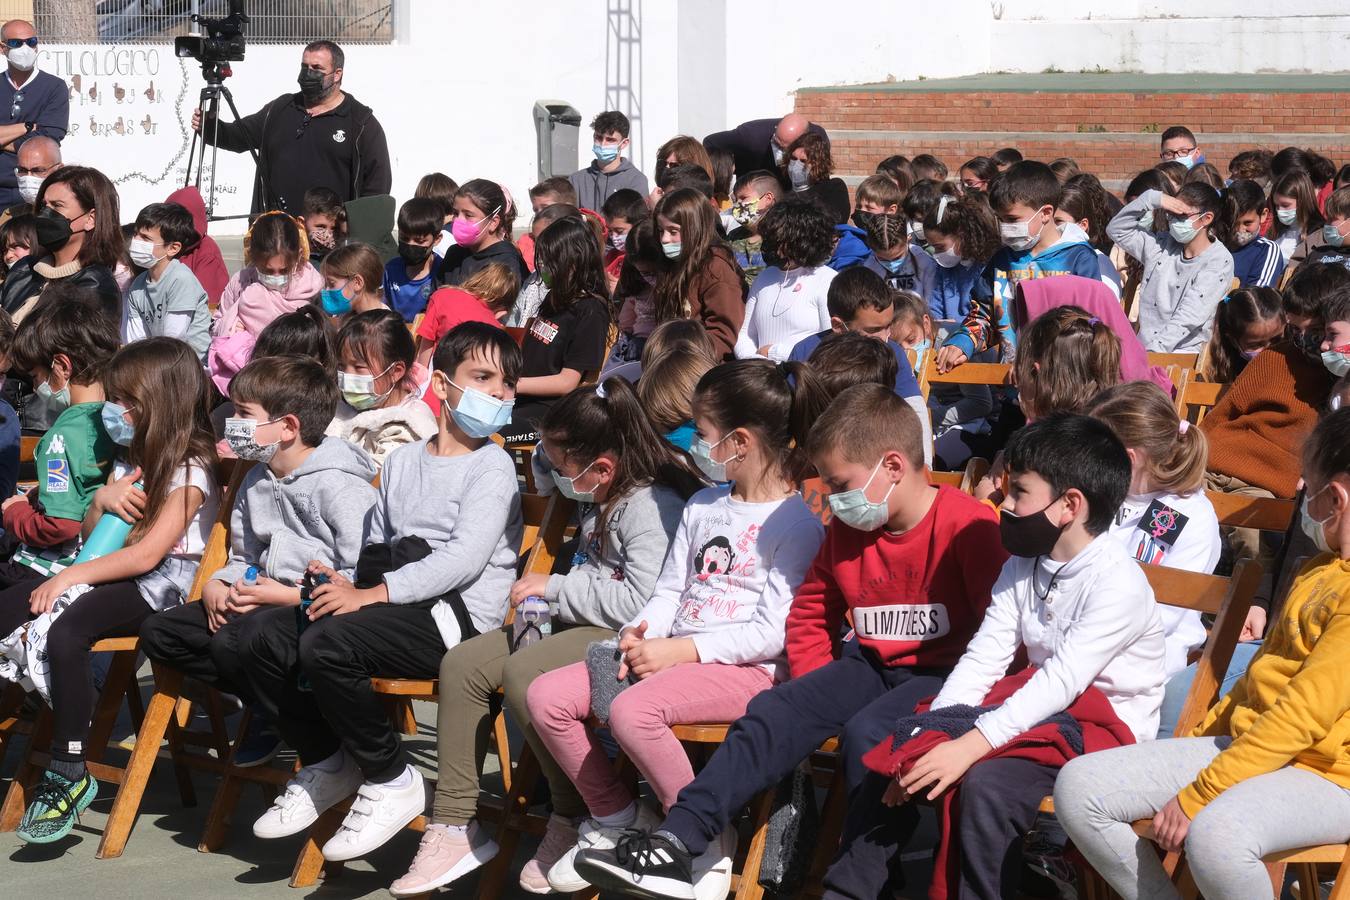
point(688, 151)
point(162, 379)
point(1143, 417)
point(1296, 184)
point(1065, 357)
point(1238, 310)
point(691, 211)
point(104, 245)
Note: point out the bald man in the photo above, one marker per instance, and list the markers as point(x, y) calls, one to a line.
point(762, 143)
point(39, 156)
point(32, 103)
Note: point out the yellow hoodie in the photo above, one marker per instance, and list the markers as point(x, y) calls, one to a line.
point(1293, 705)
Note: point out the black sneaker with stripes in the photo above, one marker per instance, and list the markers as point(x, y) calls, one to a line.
point(641, 865)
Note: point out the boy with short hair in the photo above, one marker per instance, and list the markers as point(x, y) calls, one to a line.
point(1332, 243)
point(928, 167)
point(166, 300)
point(610, 171)
point(63, 344)
point(1075, 599)
point(306, 499)
point(623, 211)
point(914, 565)
point(410, 277)
point(440, 559)
point(754, 195)
point(549, 192)
point(1034, 246)
point(1178, 145)
point(876, 194)
point(325, 222)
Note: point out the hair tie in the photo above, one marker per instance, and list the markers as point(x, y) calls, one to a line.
point(509, 203)
point(600, 391)
point(1094, 321)
point(1226, 298)
point(942, 208)
point(1183, 427)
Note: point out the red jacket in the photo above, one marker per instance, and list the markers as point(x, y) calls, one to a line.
point(204, 260)
point(917, 598)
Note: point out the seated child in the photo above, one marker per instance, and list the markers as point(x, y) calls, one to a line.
point(168, 446)
point(895, 256)
point(921, 202)
point(875, 194)
point(532, 287)
point(325, 222)
point(964, 237)
point(549, 192)
point(676, 357)
point(410, 277)
point(166, 299)
point(440, 187)
point(1329, 245)
point(911, 562)
point(486, 296)
point(1257, 261)
point(624, 211)
point(353, 281)
point(18, 239)
point(798, 236)
point(1265, 771)
point(439, 560)
point(382, 407)
point(1073, 597)
point(752, 198)
point(642, 262)
point(1248, 321)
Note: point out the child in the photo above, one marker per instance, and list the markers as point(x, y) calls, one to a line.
point(912, 563)
point(166, 299)
point(919, 204)
point(63, 346)
point(610, 171)
point(1186, 271)
point(711, 636)
point(18, 239)
point(1086, 616)
point(307, 499)
point(633, 293)
point(440, 556)
point(485, 297)
point(484, 215)
point(1297, 217)
point(898, 169)
point(1251, 165)
point(632, 486)
point(568, 336)
point(277, 279)
point(976, 174)
point(1084, 205)
point(1006, 157)
point(324, 221)
point(1178, 144)
point(875, 194)
point(1034, 246)
point(1247, 322)
point(1330, 245)
point(381, 408)
point(410, 277)
point(1263, 774)
point(441, 188)
point(1257, 262)
point(912, 327)
point(840, 361)
point(1065, 357)
point(754, 195)
point(549, 192)
point(532, 289)
point(624, 211)
point(353, 279)
point(799, 238)
point(169, 448)
point(964, 238)
point(701, 277)
point(678, 354)
point(905, 266)
point(928, 167)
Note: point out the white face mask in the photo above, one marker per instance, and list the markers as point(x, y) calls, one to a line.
point(29, 185)
point(1017, 236)
point(947, 258)
point(142, 253)
point(274, 282)
point(23, 58)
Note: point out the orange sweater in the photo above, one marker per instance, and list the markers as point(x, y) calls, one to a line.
point(1257, 428)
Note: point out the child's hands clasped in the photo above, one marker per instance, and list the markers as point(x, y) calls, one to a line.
point(948, 358)
point(339, 596)
point(122, 498)
point(941, 767)
point(245, 598)
point(645, 656)
point(216, 600)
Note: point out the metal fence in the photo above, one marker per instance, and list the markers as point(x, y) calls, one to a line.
point(159, 21)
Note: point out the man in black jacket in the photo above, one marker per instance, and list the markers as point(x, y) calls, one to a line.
point(318, 137)
point(762, 143)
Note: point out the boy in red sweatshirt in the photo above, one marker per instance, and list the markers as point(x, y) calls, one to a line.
point(914, 564)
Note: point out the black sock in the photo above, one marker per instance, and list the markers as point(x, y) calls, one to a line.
point(72, 770)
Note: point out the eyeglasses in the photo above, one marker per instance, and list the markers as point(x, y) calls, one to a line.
point(16, 43)
point(14, 109)
point(35, 170)
point(1173, 154)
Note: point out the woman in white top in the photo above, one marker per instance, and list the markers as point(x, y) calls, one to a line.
point(787, 301)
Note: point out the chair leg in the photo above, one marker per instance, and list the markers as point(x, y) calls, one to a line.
point(1341, 889)
point(181, 712)
point(121, 673)
point(503, 749)
point(749, 887)
point(128, 801)
point(493, 880)
point(25, 777)
point(309, 865)
point(11, 702)
point(831, 827)
point(227, 792)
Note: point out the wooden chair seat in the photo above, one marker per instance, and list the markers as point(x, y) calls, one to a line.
point(116, 644)
point(412, 688)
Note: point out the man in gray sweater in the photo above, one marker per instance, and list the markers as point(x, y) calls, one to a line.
point(611, 170)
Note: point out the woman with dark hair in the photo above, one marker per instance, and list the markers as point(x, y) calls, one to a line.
point(977, 173)
point(79, 229)
point(700, 278)
point(808, 168)
point(568, 336)
point(787, 300)
point(683, 150)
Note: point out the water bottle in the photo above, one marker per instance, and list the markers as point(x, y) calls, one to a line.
point(109, 536)
point(251, 576)
point(532, 623)
point(307, 585)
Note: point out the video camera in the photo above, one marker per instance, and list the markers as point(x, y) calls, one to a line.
point(223, 42)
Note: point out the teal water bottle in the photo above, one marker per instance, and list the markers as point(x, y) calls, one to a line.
point(109, 536)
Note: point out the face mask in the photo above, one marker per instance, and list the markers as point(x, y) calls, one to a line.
point(359, 390)
point(545, 276)
point(142, 253)
point(1309, 343)
point(477, 414)
point(856, 511)
point(322, 238)
point(1243, 238)
point(1250, 355)
point(618, 241)
point(605, 152)
point(1315, 529)
point(1182, 231)
point(947, 258)
point(916, 231)
point(1287, 216)
point(466, 232)
point(314, 85)
point(53, 229)
point(1029, 536)
point(55, 401)
point(799, 176)
point(335, 301)
point(1188, 160)
point(745, 212)
point(1017, 236)
point(29, 185)
point(239, 435)
point(1147, 220)
point(116, 424)
point(921, 348)
point(702, 453)
point(275, 283)
point(672, 251)
point(779, 154)
point(1336, 362)
point(23, 58)
point(893, 265)
point(411, 254)
point(1331, 235)
point(568, 486)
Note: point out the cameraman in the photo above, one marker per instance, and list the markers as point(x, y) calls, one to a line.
point(319, 137)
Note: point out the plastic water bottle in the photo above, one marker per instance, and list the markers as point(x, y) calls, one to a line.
point(109, 536)
point(251, 576)
point(532, 623)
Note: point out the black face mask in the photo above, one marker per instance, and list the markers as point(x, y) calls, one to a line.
point(312, 85)
point(1029, 536)
point(411, 254)
point(53, 229)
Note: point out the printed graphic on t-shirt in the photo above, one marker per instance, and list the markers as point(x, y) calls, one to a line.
point(905, 278)
point(721, 563)
point(544, 331)
point(902, 622)
point(58, 475)
point(1158, 532)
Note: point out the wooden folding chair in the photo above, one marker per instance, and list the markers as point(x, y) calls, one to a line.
point(1196, 398)
point(1180, 360)
point(991, 374)
point(153, 722)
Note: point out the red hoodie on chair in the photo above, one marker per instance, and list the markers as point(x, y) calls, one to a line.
point(205, 259)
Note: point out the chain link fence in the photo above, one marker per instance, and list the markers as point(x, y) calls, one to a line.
point(159, 21)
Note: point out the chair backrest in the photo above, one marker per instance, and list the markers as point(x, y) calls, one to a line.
point(1184, 360)
point(229, 476)
point(1227, 599)
point(1262, 513)
point(1196, 398)
point(545, 520)
point(994, 374)
point(28, 447)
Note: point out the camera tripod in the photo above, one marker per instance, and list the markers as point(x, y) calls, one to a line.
point(209, 106)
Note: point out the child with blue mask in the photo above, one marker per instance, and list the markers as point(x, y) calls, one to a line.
point(903, 265)
point(352, 279)
point(611, 170)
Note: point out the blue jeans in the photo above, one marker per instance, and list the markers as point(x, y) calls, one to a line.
point(1174, 695)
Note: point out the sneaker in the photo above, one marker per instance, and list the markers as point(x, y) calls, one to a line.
point(308, 795)
point(1045, 852)
point(559, 837)
point(444, 855)
point(57, 804)
point(594, 836)
point(378, 813)
point(712, 868)
point(641, 865)
point(259, 744)
point(1323, 890)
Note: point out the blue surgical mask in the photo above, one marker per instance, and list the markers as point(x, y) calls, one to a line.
point(1287, 216)
point(1182, 231)
point(893, 265)
point(1336, 362)
point(605, 152)
point(702, 453)
point(672, 251)
point(1331, 235)
point(116, 424)
point(920, 349)
point(567, 486)
point(1189, 160)
point(55, 401)
point(479, 415)
point(856, 511)
point(1315, 529)
point(335, 301)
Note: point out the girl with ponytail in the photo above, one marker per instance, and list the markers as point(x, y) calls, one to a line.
point(1064, 358)
point(964, 237)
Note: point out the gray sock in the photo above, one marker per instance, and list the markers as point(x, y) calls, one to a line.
point(71, 770)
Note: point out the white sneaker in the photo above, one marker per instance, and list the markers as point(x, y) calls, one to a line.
point(378, 813)
point(563, 877)
point(712, 869)
point(308, 795)
point(444, 855)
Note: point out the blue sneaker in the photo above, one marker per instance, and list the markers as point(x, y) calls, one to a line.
point(259, 744)
point(56, 807)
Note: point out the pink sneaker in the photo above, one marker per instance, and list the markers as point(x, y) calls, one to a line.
point(445, 854)
point(559, 837)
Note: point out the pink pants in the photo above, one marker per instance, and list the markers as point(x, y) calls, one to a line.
point(640, 720)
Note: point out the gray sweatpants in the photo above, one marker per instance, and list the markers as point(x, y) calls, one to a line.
point(1097, 796)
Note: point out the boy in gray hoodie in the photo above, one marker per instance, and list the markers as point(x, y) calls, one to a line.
point(611, 170)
